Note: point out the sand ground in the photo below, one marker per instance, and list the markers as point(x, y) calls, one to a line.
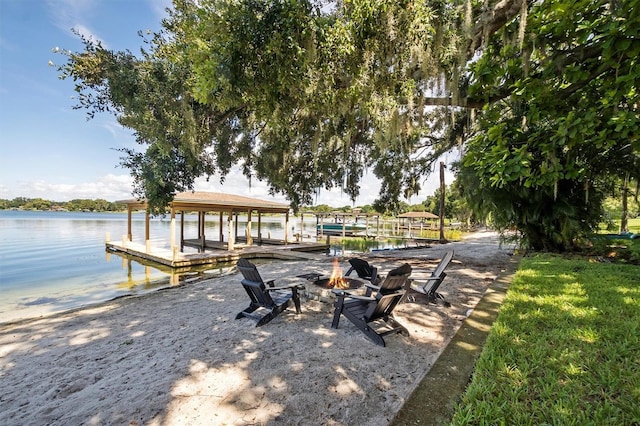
point(179, 357)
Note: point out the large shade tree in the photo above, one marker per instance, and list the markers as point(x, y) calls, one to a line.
point(561, 123)
point(309, 95)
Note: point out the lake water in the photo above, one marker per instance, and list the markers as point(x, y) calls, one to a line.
point(55, 261)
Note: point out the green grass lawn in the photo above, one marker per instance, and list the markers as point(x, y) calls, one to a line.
point(564, 350)
point(632, 224)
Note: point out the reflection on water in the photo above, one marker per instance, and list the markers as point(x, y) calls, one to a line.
point(54, 261)
point(173, 276)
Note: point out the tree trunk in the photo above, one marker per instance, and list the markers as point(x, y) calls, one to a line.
point(624, 220)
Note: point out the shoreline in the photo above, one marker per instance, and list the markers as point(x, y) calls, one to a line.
point(187, 281)
point(178, 356)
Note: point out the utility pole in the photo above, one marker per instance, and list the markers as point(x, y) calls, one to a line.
point(442, 189)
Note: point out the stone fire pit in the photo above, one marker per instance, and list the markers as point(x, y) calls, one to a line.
point(318, 288)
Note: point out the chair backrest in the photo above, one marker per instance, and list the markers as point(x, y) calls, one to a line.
point(383, 305)
point(443, 264)
point(396, 279)
point(253, 284)
point(249, 271)
point(363, 269)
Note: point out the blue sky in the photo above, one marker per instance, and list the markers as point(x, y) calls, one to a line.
point(50, 150)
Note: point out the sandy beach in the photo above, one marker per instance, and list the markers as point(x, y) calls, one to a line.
point(179, 356)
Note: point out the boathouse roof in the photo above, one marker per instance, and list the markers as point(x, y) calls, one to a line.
point(215, 201)
point(418, 215)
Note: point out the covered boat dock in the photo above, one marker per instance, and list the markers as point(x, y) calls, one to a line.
point(210, 202)
point(228, 207)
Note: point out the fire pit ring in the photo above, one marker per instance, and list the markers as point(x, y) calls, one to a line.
point(353, 283)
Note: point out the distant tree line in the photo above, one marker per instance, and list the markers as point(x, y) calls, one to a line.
point(98, 205)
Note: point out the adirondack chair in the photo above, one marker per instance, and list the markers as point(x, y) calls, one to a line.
point(267, 301)
point(430, 286)
point(395, 280)
point(364, 270)
point(366, 312)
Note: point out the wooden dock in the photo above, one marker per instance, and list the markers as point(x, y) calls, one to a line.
point(177, 259)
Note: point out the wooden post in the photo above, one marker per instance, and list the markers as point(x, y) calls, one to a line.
point(442, 190)
point(201, 219)
point(249, 237)
point(366, 224)
point(181, 230)
point(286, 228)
point(260, 226)
point(235, 226)
point(221, 236)
point(173, 229)
point(199, 225)
point(301, 226)
point(344, 225)
point(129, 234)
point(147, 232)
point(230, 237)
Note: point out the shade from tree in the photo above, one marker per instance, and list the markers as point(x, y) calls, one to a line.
point(541, 97)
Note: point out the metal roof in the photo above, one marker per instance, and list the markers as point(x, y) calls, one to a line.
point(215, 201)
point(419, 215)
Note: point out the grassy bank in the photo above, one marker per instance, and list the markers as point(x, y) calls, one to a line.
point(565, 348)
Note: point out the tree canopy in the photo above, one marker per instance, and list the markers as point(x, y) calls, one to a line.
point(541, 96)
point(543, 158)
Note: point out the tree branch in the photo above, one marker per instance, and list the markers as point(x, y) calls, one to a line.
point(465, 102)
point(491, 20)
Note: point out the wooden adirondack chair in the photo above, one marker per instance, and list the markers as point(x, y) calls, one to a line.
point(267, 301)
point(364, 270)
point(395, 280)
point(430, 286)
point(366, 312)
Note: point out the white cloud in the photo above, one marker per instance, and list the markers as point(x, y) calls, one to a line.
point(68, 14)
point(89, 34)
point(114, 187)
point(237, 183)
point(110, 187)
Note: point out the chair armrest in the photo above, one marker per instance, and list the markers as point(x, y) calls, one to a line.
point(425, 283)
point(420, 280)
point(343, 293)
point(284, 287)
point(372, 286)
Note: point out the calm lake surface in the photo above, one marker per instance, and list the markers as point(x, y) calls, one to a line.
point(55, 261)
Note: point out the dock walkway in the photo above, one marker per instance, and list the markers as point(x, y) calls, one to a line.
point(178, 259)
